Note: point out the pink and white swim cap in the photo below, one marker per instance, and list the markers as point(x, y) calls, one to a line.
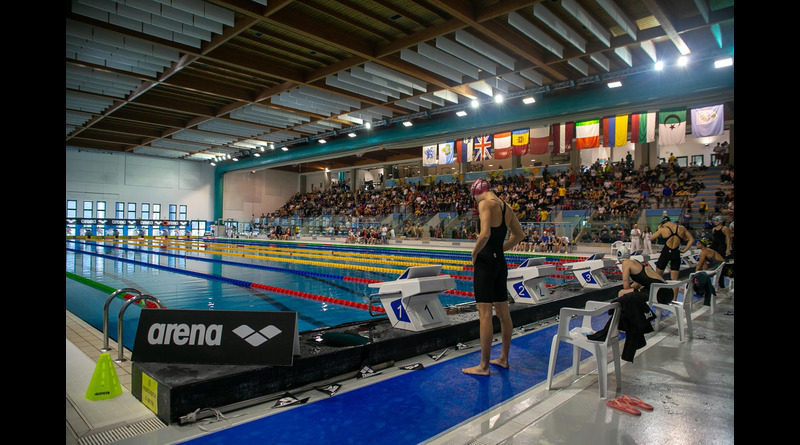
point(479, 187)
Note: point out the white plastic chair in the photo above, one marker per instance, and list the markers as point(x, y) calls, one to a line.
point(714, 276)
point(681, 308)
point(577, 337)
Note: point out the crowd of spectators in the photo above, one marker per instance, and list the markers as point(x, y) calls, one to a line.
point(607, 191)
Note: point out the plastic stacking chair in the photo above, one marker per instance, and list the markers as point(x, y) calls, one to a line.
point(681, 308)
point(577, 337)
point(714, 276)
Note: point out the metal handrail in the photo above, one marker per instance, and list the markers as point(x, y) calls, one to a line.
point(111, 297)
point(120, 357)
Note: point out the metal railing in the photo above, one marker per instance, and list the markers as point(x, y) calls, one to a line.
point(137, 296)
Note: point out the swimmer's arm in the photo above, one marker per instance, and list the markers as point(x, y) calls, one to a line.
point(689, 240)
point(516, 233)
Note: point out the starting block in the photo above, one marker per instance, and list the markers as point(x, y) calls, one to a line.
point(412, 300)
point(590, 272)
point(526, 282)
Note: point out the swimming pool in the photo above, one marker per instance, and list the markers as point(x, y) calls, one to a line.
point(326, 284)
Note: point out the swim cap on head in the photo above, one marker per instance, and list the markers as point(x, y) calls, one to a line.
point(623, 253)
point(704, 241)
point(665, 219)
point(479, 187)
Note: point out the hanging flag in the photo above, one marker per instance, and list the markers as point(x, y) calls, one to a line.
point(446, 152)
point(615, 131)
point(671, 127)
point(464, 150)
point(520, 139)
point(562, 137)
point(587, 134)
point(429, 155)
point(643, 127)
point(502, 145)
point(482, 148)
point(540, 139)
point(708, 121)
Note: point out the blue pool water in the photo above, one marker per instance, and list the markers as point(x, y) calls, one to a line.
point(218, 275)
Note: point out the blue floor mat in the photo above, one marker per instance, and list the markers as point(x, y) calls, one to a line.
point(409, 408)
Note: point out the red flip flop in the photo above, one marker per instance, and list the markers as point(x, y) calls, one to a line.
point(637, 402)
point(623, 406)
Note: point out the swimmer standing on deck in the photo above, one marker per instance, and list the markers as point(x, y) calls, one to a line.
point(491, 272)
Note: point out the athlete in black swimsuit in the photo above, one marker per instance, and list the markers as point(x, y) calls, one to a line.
point(671, 253)
point(491, 271)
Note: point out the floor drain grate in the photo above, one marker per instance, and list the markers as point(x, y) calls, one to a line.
point(122, 432)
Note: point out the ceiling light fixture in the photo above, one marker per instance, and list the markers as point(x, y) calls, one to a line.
point(285, 148)
point(322, 141)
point(498, 98)
point(407, 123)
point(475, 103)
point(368, 125)
point(722, 63)
point(528, 100)
point(461, 113)
point(614, 84)
point(352, 135)
point(683, 61)
point(659, 65)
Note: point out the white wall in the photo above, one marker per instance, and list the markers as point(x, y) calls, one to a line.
point(94, 176)
point(247, 193)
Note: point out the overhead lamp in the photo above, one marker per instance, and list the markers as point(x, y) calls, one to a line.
point(461, 113)
point(407, 123)
point(213, 164)
point(368, 125)
point(475, 103)
point(352, 135)
point(528, 100)
point(614, 84)
point(498, 98)
point(272, 146)
point(659, 65)
point(722, 63)
point(285, 148)
point(256, 154)
point(683, 61)
point(322, 141)
point(235, 159)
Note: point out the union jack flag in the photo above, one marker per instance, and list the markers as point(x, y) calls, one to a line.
point(483, 148)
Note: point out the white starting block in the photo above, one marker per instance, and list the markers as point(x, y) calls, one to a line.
point(412, 300)
point(590, 272)
point(526, 282)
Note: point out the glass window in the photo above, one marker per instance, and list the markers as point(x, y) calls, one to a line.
point(72, 208)
point(173, 212)
point(145, 210)
point(156, 211)
point(697, 160)
point(88, 207)
point(119, 213)
point(101, 209)
point(131, 210)
point(182, 213)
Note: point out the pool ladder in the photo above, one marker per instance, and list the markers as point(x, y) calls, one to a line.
point(137, 296)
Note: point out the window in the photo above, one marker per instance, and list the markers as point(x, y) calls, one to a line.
point(101, 209)
point(145, 210)
point(119, 213)
point(182, 213)
point(173, 212)
point(698, 160)
point(88, 206)
point(72, 208)
point(156, 211)
point(131, 210)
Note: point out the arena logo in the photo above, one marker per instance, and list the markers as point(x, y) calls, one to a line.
point(181, 334)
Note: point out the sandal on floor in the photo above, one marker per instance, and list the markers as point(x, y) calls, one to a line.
point(637, 402)
point(623, 406)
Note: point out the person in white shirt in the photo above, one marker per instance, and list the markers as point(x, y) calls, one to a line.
point(636, 238)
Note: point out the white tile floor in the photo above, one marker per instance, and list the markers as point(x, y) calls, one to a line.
point(690, 384)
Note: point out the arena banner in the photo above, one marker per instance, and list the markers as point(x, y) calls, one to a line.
point(216, 337)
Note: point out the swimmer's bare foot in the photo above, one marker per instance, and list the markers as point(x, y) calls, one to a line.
point(501, 363)
point(476, 370)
